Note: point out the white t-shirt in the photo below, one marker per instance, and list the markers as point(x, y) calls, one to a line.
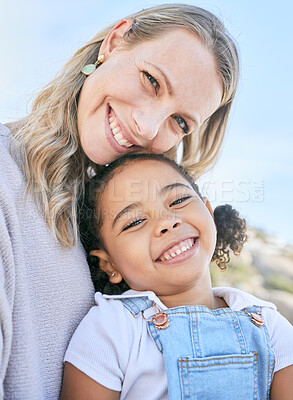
point(115, 349)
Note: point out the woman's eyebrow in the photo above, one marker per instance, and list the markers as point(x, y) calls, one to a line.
point(171, 92)
point(125, 210)
point(167, 81)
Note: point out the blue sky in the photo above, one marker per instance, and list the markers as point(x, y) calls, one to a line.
point(255, 168)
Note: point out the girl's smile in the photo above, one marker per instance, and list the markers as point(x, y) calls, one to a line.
point(179, 251)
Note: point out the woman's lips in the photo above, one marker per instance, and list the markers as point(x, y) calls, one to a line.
point(184, 255)
point(117, 136)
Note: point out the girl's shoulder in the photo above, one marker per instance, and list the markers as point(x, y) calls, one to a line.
point(108, 325)
point(279, 328)
point(108, 321)
point(105, 340)
point(110, 314)
point(237, 299)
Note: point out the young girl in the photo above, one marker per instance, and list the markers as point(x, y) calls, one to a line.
point(146, 228)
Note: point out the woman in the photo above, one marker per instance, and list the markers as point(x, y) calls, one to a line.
point(162, 76)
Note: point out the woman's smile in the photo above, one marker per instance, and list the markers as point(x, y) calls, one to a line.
point(123, 141)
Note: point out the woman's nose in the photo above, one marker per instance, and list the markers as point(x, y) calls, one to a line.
point(168, 224)
point(147, 123)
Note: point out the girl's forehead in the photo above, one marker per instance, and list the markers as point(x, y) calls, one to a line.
point(143, 180)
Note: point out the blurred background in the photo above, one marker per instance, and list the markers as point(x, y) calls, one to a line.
point(255, 167)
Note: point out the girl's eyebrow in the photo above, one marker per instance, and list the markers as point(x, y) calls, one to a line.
point(137, 204)
point(172, 186)
point(125, 210)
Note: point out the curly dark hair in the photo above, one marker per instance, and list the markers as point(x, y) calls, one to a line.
point(231, 229)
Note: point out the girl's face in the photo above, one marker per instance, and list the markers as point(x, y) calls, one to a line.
point(157, 232)
point(147, 96)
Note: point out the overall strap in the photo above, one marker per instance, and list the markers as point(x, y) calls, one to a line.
point(253, 309)
point(137, 305)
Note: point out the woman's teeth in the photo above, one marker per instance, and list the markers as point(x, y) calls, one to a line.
point(117, 133)
point(178, 249)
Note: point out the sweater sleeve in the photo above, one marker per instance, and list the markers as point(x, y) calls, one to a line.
point(7, 279)
point(10, 249)
point(102, 343)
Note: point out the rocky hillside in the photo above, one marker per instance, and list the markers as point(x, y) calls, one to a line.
point(264, 268)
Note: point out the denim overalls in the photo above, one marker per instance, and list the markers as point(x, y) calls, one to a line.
point(211, 354)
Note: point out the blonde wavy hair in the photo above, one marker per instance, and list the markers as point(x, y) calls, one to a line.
point(55, 165)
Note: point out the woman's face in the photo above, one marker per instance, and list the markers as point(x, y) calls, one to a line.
point(147, 97)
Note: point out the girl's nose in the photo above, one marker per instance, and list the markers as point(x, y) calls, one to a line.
point(168, 224)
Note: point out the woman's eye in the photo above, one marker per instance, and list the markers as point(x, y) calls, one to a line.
point(132, 224)
point(180, 200)
point(182, 123)
point(153, 80)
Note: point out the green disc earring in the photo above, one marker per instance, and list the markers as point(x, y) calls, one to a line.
point(90, 68)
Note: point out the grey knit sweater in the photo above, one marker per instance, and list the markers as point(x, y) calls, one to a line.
point(45, 290)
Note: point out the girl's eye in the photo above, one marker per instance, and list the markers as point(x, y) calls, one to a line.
point(153, 80)
point(182, 123)
point(180, 200)
point(132, 224)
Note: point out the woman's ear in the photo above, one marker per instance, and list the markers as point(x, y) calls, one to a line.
point(114, 37)
point(107, 266)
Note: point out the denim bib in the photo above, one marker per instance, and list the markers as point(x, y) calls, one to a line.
point(211, 354)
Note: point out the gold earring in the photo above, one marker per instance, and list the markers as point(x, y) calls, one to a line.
point(90, 68)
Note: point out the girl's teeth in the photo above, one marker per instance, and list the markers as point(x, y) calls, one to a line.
point(113, 125)
point(178, 250)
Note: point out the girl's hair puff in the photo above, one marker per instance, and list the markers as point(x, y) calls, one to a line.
point(231, 229)
point(55, 165)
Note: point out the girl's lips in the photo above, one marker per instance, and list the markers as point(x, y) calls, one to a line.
point(183, 256)
point(109, 135)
